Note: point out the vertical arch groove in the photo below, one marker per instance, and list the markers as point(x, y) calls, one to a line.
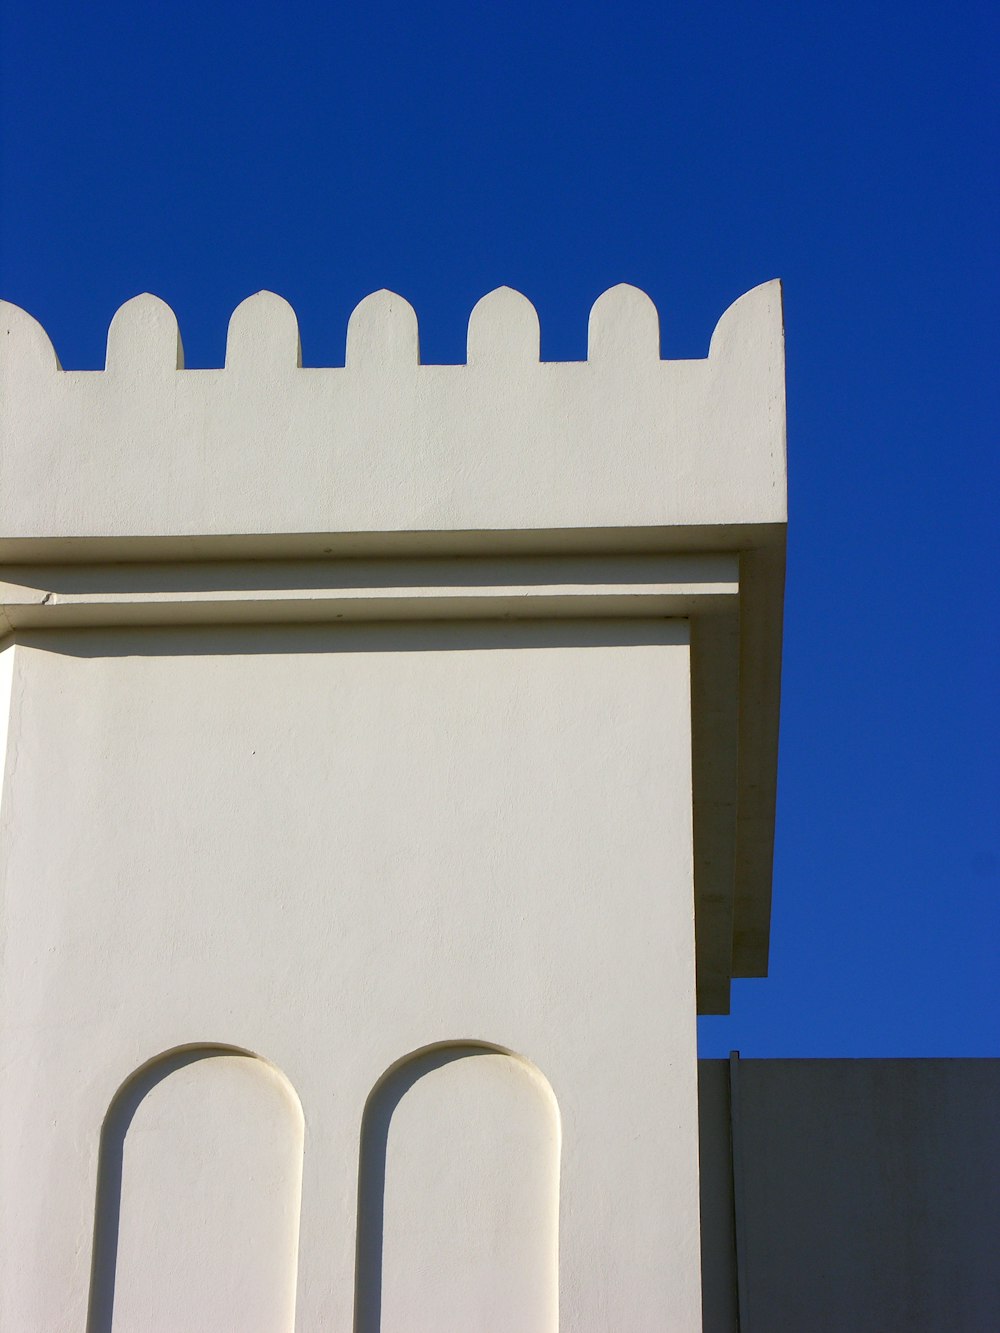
point(458, 1196)
point(197, 1207)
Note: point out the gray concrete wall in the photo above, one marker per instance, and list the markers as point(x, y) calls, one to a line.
point(866, 1196)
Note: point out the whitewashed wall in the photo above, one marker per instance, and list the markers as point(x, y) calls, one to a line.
point(389, 774)
point(332, 848)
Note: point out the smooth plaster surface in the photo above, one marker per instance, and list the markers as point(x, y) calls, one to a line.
point(386, 444)
point(445, 1131)
point(332, 847)
point(200, 1180)
point(387, 461)
point(390, 775)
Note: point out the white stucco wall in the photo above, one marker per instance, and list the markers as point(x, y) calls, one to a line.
point(332, 847)
point(386, 444)
point(199, 1195)
point(390, 775)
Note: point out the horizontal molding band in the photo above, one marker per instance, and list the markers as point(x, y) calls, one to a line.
point(37, 597)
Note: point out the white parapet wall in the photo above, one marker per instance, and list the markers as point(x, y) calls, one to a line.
point(386, 445)
point(389, 777)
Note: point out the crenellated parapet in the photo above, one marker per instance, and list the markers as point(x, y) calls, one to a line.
point(387, 759)
point(506, 443)
point(621, 487)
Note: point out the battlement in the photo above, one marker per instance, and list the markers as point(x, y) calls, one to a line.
point(145, 451)
point(389, 777)
point(624, 487)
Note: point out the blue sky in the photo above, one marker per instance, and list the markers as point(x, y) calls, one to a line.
point(205, 151)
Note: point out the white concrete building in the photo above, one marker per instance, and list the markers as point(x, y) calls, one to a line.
point(388, 778)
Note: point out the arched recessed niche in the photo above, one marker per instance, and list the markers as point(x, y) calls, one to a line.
point(458, 1209)
point(199, 1186)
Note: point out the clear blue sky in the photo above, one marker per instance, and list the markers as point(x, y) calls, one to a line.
point(324, 150)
